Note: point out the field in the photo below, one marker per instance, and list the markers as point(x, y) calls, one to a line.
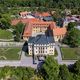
point(70, 53)
point(4, 34)
point(9, 53)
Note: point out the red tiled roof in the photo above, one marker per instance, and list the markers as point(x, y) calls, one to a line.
point(16, 21)
point(53, 25)
point(28, 29)
point(59, 31)
point(43, 14)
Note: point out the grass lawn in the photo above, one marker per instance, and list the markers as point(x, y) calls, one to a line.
point(4, 34)
point(9, 53)
point(70, 53)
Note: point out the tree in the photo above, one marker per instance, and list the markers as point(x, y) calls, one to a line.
point(5, 23)
point(18, 31)
point(35, 77)
point(76, 77)
point(73, 35)
point(17, 36)
point(50, 69)
point(64, 73)
point(71, 26)
point(76, 70)
point(19, 27)
point(77, 67)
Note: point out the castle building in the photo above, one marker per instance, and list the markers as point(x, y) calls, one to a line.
point(59, 33)
point(35, 28)
point(25, 15)
point(45, 16)
point(41, 34)
point(41, 45)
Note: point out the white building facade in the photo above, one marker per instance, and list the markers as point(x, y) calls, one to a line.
point(40, 47)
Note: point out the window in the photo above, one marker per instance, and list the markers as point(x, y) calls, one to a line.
point(57, 36)
point(29, 53)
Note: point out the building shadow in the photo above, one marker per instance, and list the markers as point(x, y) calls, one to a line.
point(49, 32)
point(25, 47)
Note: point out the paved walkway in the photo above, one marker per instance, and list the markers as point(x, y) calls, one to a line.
point(59, 57)
point(11, 44)
point(25, 61)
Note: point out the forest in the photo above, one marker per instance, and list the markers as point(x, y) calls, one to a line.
point(62, 4)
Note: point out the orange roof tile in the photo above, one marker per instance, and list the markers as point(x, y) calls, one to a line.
point(44, 14)
point(16, 21)
point(59, 31)
point(28, 28)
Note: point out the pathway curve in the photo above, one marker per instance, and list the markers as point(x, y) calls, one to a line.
point(59, 57)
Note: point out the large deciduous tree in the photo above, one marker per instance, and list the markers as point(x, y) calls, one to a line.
point(64, 73)
point(73, 35)
point(50, 69)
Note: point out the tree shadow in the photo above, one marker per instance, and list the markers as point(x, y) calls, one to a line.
point(40, 64)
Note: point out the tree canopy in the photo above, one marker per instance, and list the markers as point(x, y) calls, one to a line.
point(73, 35)
point(50, 69)
point(45, 3)
point(64, 73)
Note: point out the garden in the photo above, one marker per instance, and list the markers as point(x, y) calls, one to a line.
point(70, 53)
point(5, 34)
point(10, 53)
